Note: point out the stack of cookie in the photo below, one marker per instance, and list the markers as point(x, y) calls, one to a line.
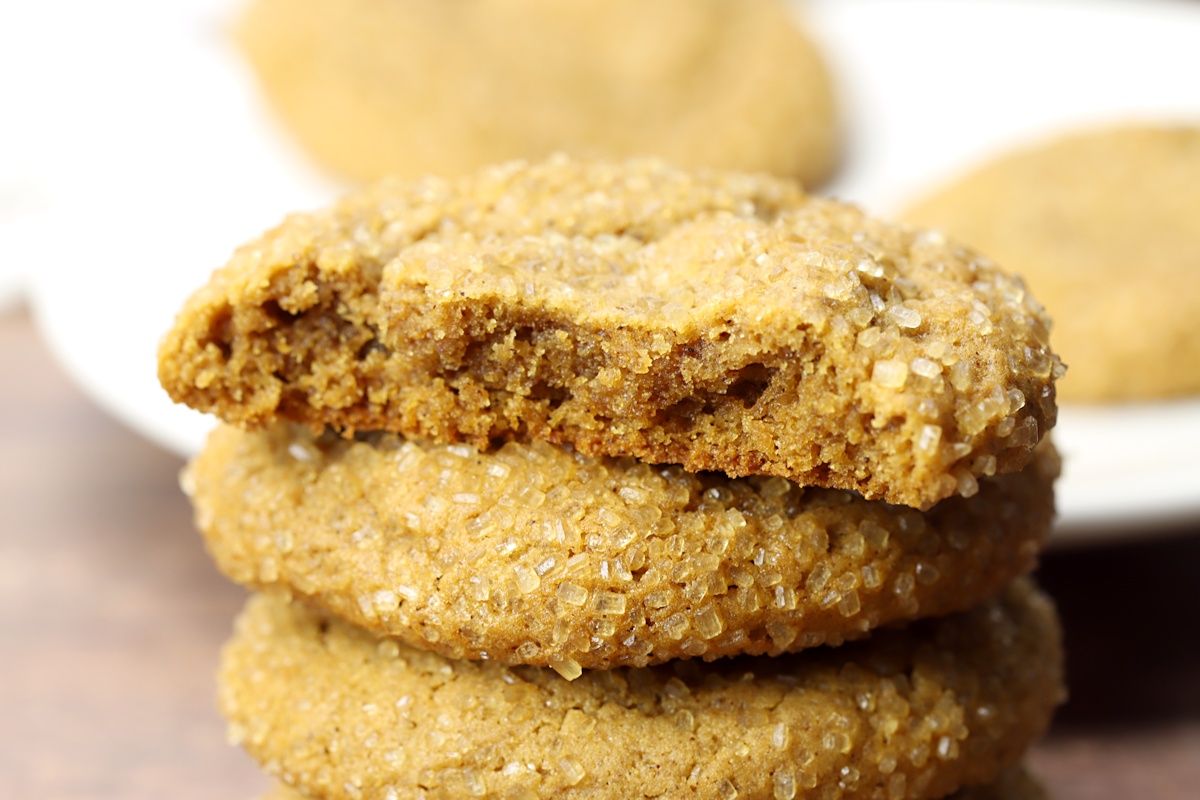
point(579, 479)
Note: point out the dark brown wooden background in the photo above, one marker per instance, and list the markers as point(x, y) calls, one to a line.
point(111, 617)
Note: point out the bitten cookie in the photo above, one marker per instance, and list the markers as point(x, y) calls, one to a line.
point(1105, 226)
point(536, 555)
point(415, 87)
point(948, 702)
point(715, 320)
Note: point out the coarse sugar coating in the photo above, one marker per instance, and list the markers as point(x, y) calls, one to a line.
point(533, 554)
point(412, 87)
point(916, 713)
point(1014, 783)
point(715, 320)
point(1104, 224)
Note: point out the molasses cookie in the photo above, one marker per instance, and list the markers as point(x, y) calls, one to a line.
point(413, 87)
point(918, 713)
point(1105, 226)
point(534, 554)
point(715, 320)
point(1014, 783)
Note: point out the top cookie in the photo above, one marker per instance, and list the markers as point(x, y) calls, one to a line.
point(716, 320)
point(408, 88)
point(1105, 226)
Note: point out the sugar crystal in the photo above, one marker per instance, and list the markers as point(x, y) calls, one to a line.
point(708, 623)
point(890, 374)
point(610, 603)
point(779, 736)
point(567, 667)
point(572, 593)
point(573, 772)
point(905, 317)
point(784, 785)
point(527, 579)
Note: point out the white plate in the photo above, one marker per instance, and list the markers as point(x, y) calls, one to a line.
point(178, 165)
point(175, 164)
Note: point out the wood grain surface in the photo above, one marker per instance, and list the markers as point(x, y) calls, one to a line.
point(111, 617)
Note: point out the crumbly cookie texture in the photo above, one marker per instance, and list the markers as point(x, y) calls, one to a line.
point(715, 320)
point(537, 555)
point(1015, 783)
point(949, 702)
point(429, 87)
point(1105, 226)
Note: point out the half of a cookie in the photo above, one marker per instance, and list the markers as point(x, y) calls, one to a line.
point(715, 320)
point(947, 703)
point(534, 554)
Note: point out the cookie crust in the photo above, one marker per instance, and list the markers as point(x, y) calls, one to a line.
point(951, 702)
point(716, 320)
point(538, 555)
point(1015, 783)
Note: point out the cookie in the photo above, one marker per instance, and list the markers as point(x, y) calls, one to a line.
point(533, 554)
point(382, 87)
point(715, 320)
point(1013, 784)
point(330, 709)
point(1104, 224)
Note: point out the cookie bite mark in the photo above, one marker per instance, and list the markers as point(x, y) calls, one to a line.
point(715, 320)
point(298, 332)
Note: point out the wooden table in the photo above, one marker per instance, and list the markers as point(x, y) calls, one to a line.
point(111, 617)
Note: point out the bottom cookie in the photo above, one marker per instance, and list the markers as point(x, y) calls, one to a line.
point(1014, 783)
point(912, 713)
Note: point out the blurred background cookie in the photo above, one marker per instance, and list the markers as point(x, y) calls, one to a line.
point(1104, 225)
point(409, 87)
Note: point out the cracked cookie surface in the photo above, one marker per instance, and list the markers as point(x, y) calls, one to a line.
point(537, 555)
point(921, 712)
point(716, 320)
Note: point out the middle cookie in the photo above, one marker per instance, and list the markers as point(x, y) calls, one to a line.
point(534, 554)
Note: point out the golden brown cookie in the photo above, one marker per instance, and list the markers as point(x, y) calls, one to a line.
point(948, 702)
point(537, 555)
point(1013, 784)
point(1104, 224)
point(414, 87)
point(716, 320)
